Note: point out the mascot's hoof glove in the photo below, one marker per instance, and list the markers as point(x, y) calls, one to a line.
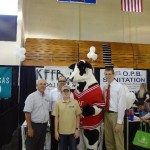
point(88, 110)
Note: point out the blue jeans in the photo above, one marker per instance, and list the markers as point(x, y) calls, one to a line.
point(67, 142)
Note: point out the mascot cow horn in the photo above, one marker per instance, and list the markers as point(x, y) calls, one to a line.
point(89, 96)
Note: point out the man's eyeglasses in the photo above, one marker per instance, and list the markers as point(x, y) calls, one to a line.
point(108, 74)
point(61, 81)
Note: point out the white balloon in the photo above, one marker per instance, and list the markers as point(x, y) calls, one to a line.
point(18, 52)
point(94, 56)
point(18, 55)
point(22, 57)
point(130, 98)
point(92, 49)
point(18, 49)
point(126, 88)
point(22, 50)
point(89, 55)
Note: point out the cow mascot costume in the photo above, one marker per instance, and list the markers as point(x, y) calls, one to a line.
point(89, 96)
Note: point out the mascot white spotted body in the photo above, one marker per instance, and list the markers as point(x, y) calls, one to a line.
point(89, 96)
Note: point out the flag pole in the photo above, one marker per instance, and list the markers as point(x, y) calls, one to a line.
point(19, 72)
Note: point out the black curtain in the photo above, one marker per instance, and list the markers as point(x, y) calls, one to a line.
point(9, 110)
point(27, 86)
point(148, 80)
point(97, 74)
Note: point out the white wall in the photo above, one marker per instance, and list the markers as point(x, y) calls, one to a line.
point(8, 55)
point(7, 48)
point(101, 22)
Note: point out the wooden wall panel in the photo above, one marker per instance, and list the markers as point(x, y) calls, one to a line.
point(56, 52)
point(52, 52)
point(142, 56)
point(84, 48)
point(122, 55)
point(47, 52)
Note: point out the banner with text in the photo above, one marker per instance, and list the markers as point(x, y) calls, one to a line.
point(79, 1)
point(131, 78)
point(5, 82)
point(51, 74)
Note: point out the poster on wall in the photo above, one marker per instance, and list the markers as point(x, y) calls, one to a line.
point(51, 74)
point(8, 28)
point(131, 78)
point(79, 1)
point(5, 82)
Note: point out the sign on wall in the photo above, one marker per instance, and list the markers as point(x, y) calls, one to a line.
point(79, 1)
point(8, 28)
point(131, 78)
point(5, 82)
point(51, 74)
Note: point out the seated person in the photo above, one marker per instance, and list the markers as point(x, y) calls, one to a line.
point(146, 118)
point(144, 106)
point(142, 95)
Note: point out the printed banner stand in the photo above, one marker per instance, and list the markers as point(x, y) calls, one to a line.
point(51, 74)
point(127, 76)
point(79, 1)
point(5, 82)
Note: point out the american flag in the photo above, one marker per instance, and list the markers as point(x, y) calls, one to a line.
point(131, 5)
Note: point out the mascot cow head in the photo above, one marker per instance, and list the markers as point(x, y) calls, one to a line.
point(82, 74)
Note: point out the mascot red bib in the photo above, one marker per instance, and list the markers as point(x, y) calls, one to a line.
point(89, 96)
